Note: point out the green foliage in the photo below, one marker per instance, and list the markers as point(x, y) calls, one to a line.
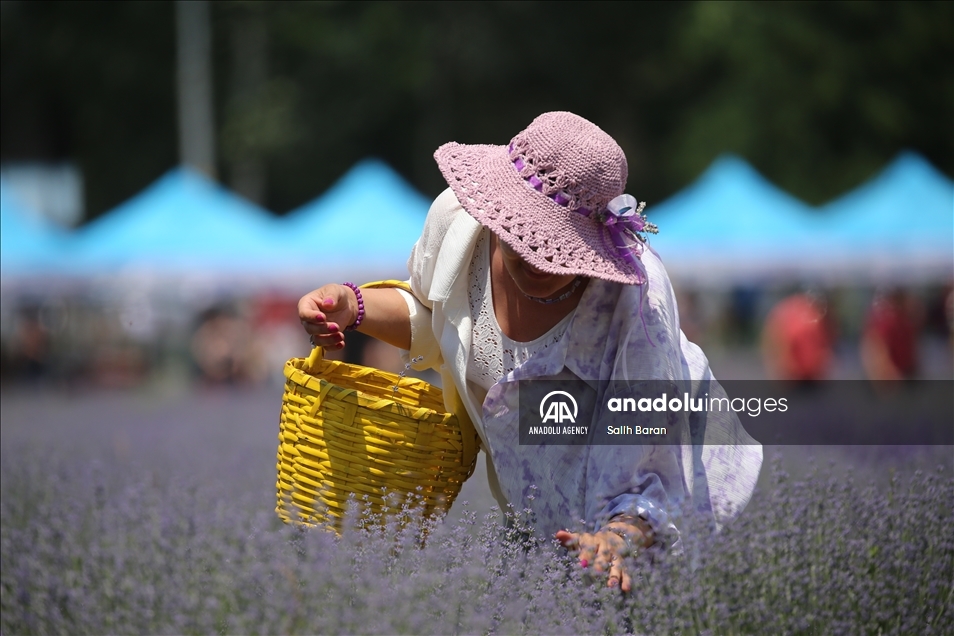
point(818, 96)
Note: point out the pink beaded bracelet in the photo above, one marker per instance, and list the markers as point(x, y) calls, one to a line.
point(360, 298)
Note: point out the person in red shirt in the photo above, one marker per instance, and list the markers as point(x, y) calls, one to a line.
point(796, 341)
point(890, 338)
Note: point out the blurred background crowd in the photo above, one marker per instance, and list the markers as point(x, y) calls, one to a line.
point(176, 175)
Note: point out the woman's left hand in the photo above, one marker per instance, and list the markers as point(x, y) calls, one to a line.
point(606, 551)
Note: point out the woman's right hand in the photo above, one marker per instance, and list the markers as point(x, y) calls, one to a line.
point(326, 312)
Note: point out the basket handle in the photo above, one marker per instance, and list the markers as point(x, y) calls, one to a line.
point(318, 354)
point(470, 440)
point(314, 358)
point(380, 284)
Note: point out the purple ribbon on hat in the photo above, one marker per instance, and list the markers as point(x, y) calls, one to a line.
point(625, 222)
point(537, 184)
point(623, 219)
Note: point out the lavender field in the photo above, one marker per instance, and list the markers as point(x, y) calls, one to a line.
point(153, 514)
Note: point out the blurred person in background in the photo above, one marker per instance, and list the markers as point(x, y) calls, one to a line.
point(889, 342)
point(534, 264)
point(797, 339)
point(277, 336)
point(938, 324)
point(222, 348)
point(949, 315)
point(30, 346)
point(741, 326)
point(691, 319)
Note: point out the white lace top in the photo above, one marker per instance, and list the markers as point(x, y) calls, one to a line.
point(493, 354)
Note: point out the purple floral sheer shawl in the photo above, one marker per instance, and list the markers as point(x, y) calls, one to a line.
point(618, 332)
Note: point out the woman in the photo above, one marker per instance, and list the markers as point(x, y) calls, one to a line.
point(533, 265)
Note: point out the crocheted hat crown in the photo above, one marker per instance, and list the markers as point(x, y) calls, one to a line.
point(546, 195)
point(572, 157)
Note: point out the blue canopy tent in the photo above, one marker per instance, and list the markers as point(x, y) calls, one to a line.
point(732, 226)
point(897, 227)
point(362, 228)
point(182, 225)
point(30, 246)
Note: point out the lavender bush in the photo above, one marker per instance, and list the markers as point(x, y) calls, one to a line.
point(182, 539)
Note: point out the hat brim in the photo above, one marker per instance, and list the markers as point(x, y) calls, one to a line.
point(550, 237)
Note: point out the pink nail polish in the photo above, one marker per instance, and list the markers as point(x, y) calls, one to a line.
point(584, 563)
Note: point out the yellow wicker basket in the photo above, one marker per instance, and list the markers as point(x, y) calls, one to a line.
point(350, 430)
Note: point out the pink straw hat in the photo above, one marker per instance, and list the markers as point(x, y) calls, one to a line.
point(554, 195)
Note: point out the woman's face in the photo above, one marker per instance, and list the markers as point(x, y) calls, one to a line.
point(530, 280)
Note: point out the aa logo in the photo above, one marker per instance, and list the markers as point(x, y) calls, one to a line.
point(558, 407)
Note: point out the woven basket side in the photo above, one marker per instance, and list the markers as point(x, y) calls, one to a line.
point(348, 431)
point(408, 391)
